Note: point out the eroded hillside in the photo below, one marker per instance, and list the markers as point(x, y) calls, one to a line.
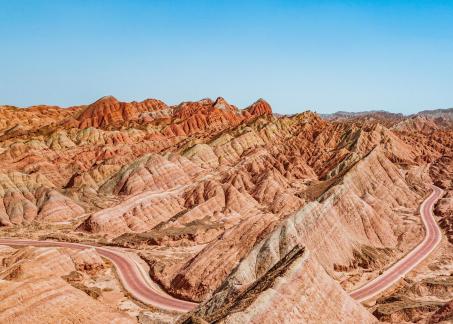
point(224, 202)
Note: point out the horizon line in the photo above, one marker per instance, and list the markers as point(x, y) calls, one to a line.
point(318, 111)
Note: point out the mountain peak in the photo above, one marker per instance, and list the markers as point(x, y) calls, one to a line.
point(106, 99)
point(222, 104)
point(260, 107)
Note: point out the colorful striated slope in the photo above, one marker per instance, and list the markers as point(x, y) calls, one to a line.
point(199, 188)
point(34, 288)
point(108, 112)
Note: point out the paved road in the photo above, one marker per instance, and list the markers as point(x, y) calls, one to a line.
point(432, 238)
point(138, 284)
point(134, 279)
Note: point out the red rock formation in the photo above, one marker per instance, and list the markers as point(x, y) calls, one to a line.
point(260, 107)
point(108, 111)
point(444, 314)
point(281, 292)
point(202, 186)
point(32, 288)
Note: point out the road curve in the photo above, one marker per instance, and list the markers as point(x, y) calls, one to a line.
point(132, 276)
point(138, 284)
point(432, 238)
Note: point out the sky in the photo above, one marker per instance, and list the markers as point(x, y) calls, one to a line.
point(298, 55)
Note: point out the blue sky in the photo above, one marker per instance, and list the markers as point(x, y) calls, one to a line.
point(319, 55)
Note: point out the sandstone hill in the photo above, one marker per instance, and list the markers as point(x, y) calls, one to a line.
point(42, 285)
point(224, 202)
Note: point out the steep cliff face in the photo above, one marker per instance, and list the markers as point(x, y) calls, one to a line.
point(294, 289)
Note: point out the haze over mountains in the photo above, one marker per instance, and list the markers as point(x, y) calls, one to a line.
point(256, 216)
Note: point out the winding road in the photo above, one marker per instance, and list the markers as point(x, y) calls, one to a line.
point(432, 238)
point(133, 277)
point(137, 282)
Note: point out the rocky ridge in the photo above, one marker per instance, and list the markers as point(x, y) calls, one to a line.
point(198, 188)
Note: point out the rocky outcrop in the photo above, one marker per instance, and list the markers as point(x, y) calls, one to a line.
point(443, 314)
point(286, 291)
point(260, 107)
